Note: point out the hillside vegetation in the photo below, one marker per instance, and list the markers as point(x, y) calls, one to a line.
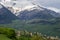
point(50, 28)
point(12, 34)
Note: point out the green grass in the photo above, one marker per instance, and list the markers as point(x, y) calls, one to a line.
point(3, 37)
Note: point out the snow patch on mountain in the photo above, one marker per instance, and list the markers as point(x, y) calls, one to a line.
point(1, 6)
point(32, 7)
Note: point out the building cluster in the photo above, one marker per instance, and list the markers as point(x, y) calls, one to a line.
point(30, 34)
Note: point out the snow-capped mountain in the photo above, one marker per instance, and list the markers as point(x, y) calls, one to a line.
point(6, 16)
point(37, 12)
point(12, 6)
point(33, 11)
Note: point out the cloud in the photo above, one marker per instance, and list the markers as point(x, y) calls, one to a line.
point(54, 9)
point(8, 0)
point(49, 3)
point(46, 3)
point(28, 7)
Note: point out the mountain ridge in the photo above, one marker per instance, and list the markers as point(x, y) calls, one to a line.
point(6, 16)
point(41, 12)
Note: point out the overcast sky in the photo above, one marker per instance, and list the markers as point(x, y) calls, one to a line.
point(50, 3)
point(46, 3)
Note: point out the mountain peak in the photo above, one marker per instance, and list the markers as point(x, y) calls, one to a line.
point(6, 16)
point(37, 12)
point(32, 7)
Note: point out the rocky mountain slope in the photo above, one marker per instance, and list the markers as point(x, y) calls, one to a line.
point(38, 12)
point(6, 16)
